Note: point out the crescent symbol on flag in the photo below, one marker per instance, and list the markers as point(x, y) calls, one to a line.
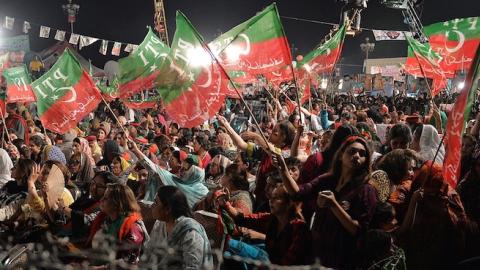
point(245, 51)
point(275, 73)
point(461, 41)
point(71, 90)
point(209, 80)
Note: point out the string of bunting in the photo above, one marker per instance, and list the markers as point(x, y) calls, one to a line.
point(74, 38)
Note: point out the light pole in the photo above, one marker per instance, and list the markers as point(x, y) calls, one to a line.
point(366, 47)
point(72, 11)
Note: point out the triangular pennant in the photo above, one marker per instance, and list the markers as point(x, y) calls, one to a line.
point(86, 41)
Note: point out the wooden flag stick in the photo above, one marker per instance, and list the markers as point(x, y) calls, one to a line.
point(424, 75)
point(116, 119)
point(5, 126)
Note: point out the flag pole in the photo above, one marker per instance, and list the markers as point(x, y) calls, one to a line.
point(424, 75)
point(205, 47)
point(5, 126)
point(111, 111)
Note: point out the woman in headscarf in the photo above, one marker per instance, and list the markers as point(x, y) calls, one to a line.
point(81, 169)
point(52, 152)
point(190, 180)
point(217, 169)
point(80, 145)
point(426, 142)
point(6, 166)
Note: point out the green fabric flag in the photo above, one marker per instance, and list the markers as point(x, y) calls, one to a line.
point(109, 92)
point(65, 94)
point(257, 46)
point(456, 41)
point(423, 61)
point(18, 85)
point(193, 86)
point(139, 70)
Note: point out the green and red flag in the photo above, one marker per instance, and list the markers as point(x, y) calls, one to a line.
point(193, 85)
point(456, 124)
point(257, 46)
point(422, 61)
point(323, 58)
point(19, 87)
point(109, 92)
point(305, 87)
point(280, 76)
point(4, 63)
point(65, 94)
point(456, 41)
point(140, 69)
point(141, 101)
point(3, 103)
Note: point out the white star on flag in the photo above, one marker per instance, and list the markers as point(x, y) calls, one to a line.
point(191, 76)
point(153, 68)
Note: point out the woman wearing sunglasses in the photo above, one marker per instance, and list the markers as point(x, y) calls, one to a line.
point(345, 203)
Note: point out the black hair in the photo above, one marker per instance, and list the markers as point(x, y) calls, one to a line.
point(400, 131)
point(293, 162)
point(174, 199)
point(77, 140)
point(202, 139)
point(341, 133)
point(378, 243)
point(108, 177)
point(384, 213)
point(238, 177)
point(288, 131)
point(37, 140)
point(162, 141)
point(25, 166)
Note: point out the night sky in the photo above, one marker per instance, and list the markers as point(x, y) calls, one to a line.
point(126, 21)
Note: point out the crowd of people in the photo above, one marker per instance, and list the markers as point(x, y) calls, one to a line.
point(347, 182)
